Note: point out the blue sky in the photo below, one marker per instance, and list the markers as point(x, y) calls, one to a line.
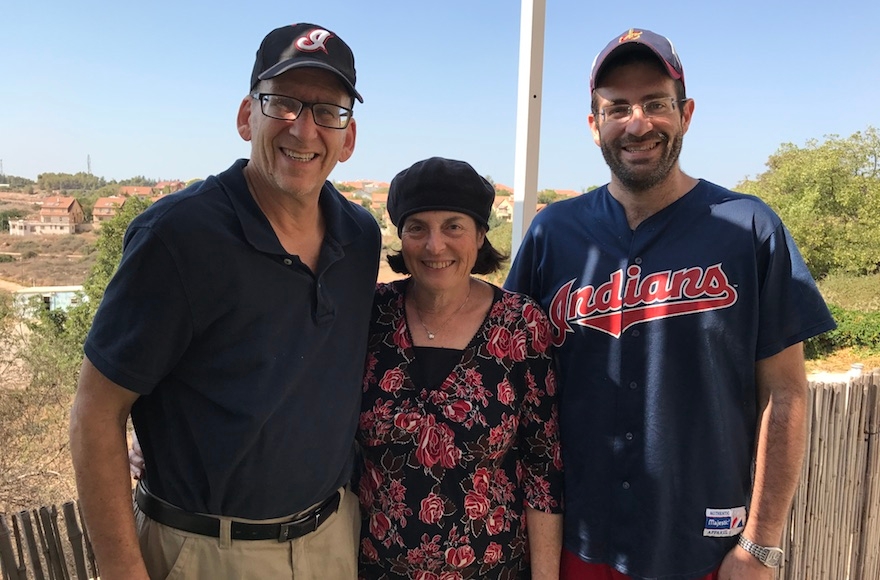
point(152, 88)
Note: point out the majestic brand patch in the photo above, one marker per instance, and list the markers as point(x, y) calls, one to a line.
point(313, 40)
point(723, 523)
point(626, 300)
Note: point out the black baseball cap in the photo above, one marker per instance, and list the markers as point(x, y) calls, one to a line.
point(633, 39)
point(305, 45)
point(440, 184)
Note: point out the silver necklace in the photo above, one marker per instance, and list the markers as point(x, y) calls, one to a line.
point(432, 335)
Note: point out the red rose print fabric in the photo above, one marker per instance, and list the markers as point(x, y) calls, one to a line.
point(448, 471)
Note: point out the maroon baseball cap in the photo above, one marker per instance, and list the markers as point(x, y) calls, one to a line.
point(633, 39)
point(305, 45)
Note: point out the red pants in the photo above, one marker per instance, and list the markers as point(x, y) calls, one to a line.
point(573, 568)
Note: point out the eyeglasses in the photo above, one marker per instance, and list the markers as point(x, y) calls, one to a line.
point(661, 107)
point(288, 109)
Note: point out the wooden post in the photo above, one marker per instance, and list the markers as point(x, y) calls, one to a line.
point(7, 555)
point(33, 548)
point(47, 536)
point(90, 552)
point(75, 536)
point(65, 573)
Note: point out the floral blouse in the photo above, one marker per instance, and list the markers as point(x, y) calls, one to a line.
point(449, 469)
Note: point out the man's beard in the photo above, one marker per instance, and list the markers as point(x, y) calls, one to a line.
point(642, 177)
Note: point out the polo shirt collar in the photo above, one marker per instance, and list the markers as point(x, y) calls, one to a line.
point(339, 218)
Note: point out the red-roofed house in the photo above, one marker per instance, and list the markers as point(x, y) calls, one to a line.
point(139, 190)
point(378, 203)
point(58, 215)
point(168, 186)
point(503, 206)
point(567, 192)
point(106, 208)
point(503, 189)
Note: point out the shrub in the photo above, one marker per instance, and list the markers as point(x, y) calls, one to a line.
point(855, 329)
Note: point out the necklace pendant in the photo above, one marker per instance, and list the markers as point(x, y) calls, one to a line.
point(430, 336)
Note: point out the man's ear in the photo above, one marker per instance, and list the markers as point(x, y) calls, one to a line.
point(687, 113)
point(350, 138)
point(243, 120)
point(594, 128)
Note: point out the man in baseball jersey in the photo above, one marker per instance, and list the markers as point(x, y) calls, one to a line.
point(235, 332)
point(678, 310)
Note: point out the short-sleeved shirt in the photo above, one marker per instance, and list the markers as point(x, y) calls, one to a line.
point(450, 464)
point(657, 333)
point(249, 364)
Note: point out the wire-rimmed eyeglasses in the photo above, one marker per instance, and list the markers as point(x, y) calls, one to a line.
point(661, 107)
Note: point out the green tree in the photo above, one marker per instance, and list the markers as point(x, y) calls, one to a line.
point(109, 248)
point(55, 344)
point(67, 181)
point(548, 196)
point(827, 194)
point(16, 183)
point(138, 180)
point(10, 214)
point(501, 237)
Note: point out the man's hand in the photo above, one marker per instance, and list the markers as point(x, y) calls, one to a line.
point(740, 565)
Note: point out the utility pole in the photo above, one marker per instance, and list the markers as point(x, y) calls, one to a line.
point(89, 164)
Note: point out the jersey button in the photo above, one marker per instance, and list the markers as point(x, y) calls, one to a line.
point(288, 261)
point(633, 385)
point(629, 436)
point(636, 333)
point(638, 260)
point(625, 485)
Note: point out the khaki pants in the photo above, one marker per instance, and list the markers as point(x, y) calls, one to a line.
point(329, 553)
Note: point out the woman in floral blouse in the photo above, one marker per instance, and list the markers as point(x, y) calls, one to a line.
point(458, 427)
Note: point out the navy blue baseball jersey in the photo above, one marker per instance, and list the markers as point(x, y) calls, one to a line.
point(657, 332)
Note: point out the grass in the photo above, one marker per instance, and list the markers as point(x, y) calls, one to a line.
point(841, 360)
point(852, 292)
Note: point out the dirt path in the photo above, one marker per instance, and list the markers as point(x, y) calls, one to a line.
point(9, 286)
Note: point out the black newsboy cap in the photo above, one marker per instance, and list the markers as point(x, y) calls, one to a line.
point(440, 184)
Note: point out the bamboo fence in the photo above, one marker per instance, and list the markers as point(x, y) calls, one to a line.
point(833, 531)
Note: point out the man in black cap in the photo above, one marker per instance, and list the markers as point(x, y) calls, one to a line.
point(678, 309)
point(234, 333)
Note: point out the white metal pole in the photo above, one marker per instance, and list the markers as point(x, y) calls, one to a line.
point(528, 118)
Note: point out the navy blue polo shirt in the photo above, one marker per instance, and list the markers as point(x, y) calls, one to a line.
point(248, 363)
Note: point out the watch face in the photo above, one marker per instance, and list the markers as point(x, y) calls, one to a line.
point(774, 557)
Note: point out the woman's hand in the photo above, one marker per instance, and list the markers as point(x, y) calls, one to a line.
point(136, 464)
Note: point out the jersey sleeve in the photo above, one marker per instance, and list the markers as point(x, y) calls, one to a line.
point(791, 308)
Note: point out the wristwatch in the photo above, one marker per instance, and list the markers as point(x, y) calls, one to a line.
point(769, 556)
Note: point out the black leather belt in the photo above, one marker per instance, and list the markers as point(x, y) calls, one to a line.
point(169, 515)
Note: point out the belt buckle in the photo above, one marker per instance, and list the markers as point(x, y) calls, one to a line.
point(285, 534)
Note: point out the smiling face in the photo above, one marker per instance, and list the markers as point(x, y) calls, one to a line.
point(295, 157)
point(440, 248)
point(642, 152)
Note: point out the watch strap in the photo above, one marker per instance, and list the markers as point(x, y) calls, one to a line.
point(770, 556)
